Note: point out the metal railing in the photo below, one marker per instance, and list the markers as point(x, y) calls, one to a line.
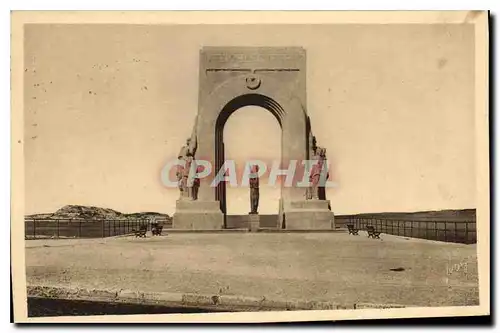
point(447, 231)
point(79, 228)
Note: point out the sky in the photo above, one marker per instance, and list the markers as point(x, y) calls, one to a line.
point(106, 106)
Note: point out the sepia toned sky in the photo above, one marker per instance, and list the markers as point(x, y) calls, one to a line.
point(106, 106)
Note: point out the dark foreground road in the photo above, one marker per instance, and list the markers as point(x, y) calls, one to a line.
point(48, 307)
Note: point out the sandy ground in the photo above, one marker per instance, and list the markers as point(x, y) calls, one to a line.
point(305, 266)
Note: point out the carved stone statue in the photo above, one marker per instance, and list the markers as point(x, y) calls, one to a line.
point(186, 154)
point(188, 189)
point(196, 183)
point(178, 173)
point(181, 169)
point(315, 175)
point(254, 189)
point(187, 173)
point(321, 188)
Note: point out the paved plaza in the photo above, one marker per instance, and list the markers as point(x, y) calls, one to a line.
point(303, 266)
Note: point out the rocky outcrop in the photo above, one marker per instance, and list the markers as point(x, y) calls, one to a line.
point(96, 213)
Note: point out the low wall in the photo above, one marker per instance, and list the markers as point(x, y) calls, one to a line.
point(59, 228)
point(457, 229)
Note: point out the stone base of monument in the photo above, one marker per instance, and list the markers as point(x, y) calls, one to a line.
point(253, 222)
point(198, 215)
point(309, 215)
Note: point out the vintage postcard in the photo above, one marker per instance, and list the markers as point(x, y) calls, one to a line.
point(249, 166)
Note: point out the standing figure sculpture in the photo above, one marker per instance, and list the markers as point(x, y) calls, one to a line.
point(316, 172)
point(178, 173)
point(187, 176)
point(180, 169)
point(186, 154)
point(254, 189)
point(196, 182)
point(323, 177)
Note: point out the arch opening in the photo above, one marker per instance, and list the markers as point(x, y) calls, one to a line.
point(260, 104)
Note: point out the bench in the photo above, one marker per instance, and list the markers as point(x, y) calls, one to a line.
point(141, 232)
point(372, 232)
point(156, 229)
point(352, 230)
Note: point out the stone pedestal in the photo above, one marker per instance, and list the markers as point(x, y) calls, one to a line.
point(198, 215)
point(253, 222)
point(309, 215)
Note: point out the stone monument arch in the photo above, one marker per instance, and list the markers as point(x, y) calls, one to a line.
point(273, 78)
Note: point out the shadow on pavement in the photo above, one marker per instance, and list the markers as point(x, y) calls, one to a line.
point(50, 307)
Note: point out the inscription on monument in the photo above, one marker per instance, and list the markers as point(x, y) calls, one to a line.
point(243, 70)
point(252, 57)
